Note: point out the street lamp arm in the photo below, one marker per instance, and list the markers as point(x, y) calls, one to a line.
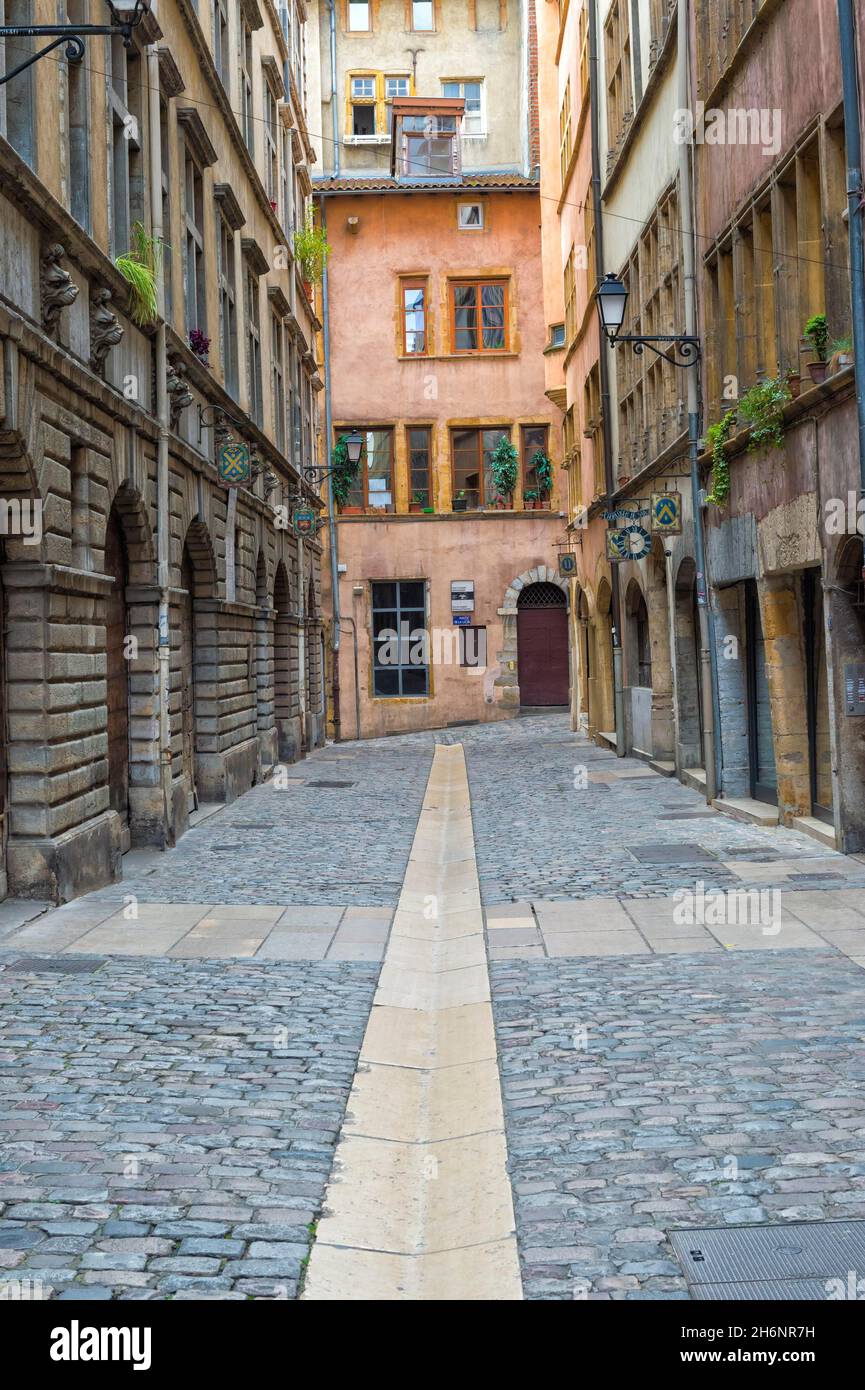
point(683, 352)
point(72, 35)
point(74, 48)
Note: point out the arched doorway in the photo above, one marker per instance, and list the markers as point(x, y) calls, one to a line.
point(542, 645)
point(187, 676)
point(117, 660)
point(286, 745)
point(603, 700)
point(689, 684)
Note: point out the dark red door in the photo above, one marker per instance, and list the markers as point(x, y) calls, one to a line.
point(542, 650)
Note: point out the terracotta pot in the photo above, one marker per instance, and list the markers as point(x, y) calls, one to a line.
point(817, 371)
point(351, 511)
point(309, 290)
point(794, 381)
point(415, 507)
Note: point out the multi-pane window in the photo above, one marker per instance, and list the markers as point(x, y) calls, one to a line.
point(16, 96)
point(423, 16)
point(479, 316)
point(472, 453)
point(244, 71)
point(570, 299)
point(219, 38)
point(394, 87)
point(419, 466)
point(589, 239)
point(472, 92)
point(166, 186)
point(428, 146)
point(127, 185)
point(271, 135)
point(358, 16)
point(225, 279)
point(297, 408)
point(593, 428)
point(277, 379)
point(533, 440)
point(373, 488)
point(565, 139)
point(286, 179)
point(620, 103)
point(414, 316)
point(252, 323)
point(193, 245)
point(363, 105)
point(400, 647)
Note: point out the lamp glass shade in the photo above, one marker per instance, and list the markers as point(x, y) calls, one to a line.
point(612, 296)
point(354, 445)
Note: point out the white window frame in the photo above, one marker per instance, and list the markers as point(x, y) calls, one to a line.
point(471, 226)
point(244, 78)
point(194, 269)
point(424, 28)
point(226, 262)
point(357, 28)
point(461, 83)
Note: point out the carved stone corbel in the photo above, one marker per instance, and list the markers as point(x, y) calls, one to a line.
point(56, 287)
point(105, 331)
point(179, 394)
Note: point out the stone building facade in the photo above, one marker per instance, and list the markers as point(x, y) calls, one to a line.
point(163, 643)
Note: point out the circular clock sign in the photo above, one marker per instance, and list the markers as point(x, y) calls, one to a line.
point(632, 542)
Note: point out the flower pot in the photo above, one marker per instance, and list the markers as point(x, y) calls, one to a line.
point(817, 371)
point(415, 507)
point(308, 290)
point(794, 381)
point(838, 361)
point(351, 511)
point(428, 511)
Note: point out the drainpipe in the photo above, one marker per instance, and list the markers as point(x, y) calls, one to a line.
point(855, 210)
point(334, 113)
point(618, 693)
point(163, 516)
point(331, 517)
point(708, 666)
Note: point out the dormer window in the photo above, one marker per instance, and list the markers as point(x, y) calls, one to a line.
point(426, 138)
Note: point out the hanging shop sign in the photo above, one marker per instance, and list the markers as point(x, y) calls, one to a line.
point(667, 513)
point(567, 564)
point(234, 465)
point(303, 522)
point(630, 512)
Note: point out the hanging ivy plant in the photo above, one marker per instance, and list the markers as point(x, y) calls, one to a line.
point(716, 439)
point(763, 409)
point(345, 472)
point(504, 466)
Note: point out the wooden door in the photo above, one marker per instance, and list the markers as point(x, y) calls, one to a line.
point(187, 679)
point(542, 646)
point(118, 676)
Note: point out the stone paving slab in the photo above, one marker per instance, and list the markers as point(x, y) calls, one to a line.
point(167, 1127)
point(649, 1093)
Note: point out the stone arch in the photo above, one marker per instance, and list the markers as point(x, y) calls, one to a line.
point(657, 601)
point(264, 619)
point(285, 703)
point(137, 532)
point(199, 657)
point(507, 682)
point(198, 545)
point(602, 693)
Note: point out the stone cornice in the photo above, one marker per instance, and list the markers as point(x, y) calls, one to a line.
point(196, 136)
point(170, 78)
point(231, 209)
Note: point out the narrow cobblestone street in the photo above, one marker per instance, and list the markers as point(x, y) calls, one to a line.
point(177, 1051)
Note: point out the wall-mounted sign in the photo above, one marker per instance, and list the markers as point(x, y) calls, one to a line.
point(233, 465)
point(667, 512)
point(567, 563)
point(629, 512)
point(462, 595)
point(628, 543)
point(462, 620)
point(854, 688)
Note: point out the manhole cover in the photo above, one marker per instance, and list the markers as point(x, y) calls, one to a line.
point(685, 853)
point(771, 1262)
point(815, 878)
point(757, 854)
point(330, 784)
point(56, 965)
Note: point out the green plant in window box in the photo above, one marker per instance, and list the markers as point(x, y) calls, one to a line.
point(543, 473)
point(312, 250)
point(530, 498)
point(345, 473)
point(140, 269)
point(504, 466)
point(816, 334)
point(417, 502)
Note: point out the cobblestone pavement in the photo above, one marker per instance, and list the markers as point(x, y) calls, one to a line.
point(168, 1127)
point(649, 1093)
point(305, 842)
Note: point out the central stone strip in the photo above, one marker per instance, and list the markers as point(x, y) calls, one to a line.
point(419, 1203)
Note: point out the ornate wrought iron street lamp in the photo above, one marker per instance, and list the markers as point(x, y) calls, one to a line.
point(612, 297)
point(73, 35)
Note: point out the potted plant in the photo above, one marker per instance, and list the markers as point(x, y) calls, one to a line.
point(842, 355)
point(543, 473)
point(530, 499)
point(312, 250)
point(504, 467)
point(416, 503)
point(140, 269)
point(461, 502)
point(762, 409)
point(344, 477)
point(200, 345)
point(816, 334)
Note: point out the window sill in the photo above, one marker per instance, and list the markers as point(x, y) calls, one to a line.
point(366, 139)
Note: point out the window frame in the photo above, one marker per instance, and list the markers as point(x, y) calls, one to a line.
point(277, 379)
point(479, 285)
point(398, 608)
point(358, 498)
point(244, 81)
point(355, 29)
point(411, 449)
point(461, 83)
point(194, 253)
point(418, 282)
point(525, 480)
point(252, 342)
point(412, 26)
point(226, 281)
point(479, 431)
point(467, 227)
